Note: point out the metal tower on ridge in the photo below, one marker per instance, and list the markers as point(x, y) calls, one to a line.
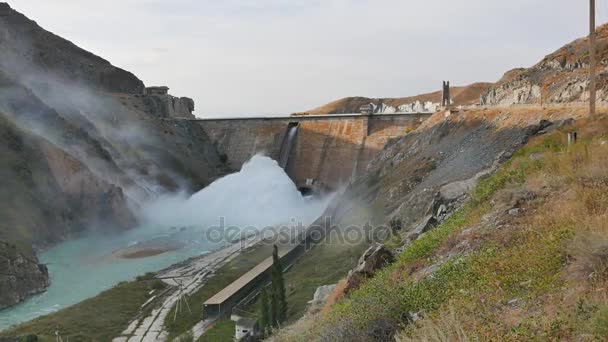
point(446, 101)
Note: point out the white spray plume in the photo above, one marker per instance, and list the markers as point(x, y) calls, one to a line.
point(260, 195)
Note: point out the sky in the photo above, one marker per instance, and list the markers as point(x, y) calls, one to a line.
point(275, 57)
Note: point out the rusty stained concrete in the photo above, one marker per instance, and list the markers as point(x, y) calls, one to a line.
point(329, 149)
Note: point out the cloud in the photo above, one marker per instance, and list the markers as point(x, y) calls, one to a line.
point(246, 57)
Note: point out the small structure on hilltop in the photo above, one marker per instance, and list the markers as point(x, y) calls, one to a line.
point(446, 101)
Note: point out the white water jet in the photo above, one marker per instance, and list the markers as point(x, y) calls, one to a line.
point(260, 195)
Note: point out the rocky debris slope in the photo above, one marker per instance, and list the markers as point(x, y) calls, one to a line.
point(427, 171)
point(560, 77)
point(20, 274)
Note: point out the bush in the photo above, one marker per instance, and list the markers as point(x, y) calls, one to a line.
point(601, 323)
point(445, 328)
point(590, 252)
point(30, 338)
point(395, 224)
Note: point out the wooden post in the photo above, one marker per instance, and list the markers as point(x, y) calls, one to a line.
point(592, 58)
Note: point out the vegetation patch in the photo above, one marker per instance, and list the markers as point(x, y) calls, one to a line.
point(529, 274)
point(100, 318)
point(222, 331)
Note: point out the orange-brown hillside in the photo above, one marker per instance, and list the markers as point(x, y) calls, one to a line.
point(463, 95)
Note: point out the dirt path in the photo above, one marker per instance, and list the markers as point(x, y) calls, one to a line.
point(193, 275)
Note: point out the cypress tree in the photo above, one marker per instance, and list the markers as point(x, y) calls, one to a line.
point(264, 311)
point(274, 305)
point(279, 303)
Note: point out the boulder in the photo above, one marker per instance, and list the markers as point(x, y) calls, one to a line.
point(374, 258)
point(424, 226)
point(320, 298)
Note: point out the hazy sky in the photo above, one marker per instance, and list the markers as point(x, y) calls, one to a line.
point(247, 57)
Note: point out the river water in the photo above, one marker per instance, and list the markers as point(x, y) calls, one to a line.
point(258, 196)
point(82, 268)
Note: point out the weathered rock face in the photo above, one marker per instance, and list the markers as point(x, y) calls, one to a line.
point(47, 195)
point(559, 78)
point(20, 275)
point(374, 258)
point(78, 145)
point(320, 297)
point(167, 106)
point(24, 42)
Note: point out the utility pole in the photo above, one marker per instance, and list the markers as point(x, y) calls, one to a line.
point(592, 57)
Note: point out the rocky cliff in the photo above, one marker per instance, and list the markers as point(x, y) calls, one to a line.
point(82, 145)
point(560, 77)
point(20, 274)
point(25, 44)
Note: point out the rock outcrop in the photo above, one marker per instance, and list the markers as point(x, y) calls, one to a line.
point(21, 275)
point(48, 195)
point(25, 43)
point(560, 77)
point(319, 299)
point(374, 258)
point(167, 106)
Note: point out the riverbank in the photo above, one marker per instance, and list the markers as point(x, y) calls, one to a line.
point(185, 278)
point(133, 310)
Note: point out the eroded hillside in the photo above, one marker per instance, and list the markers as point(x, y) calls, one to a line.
point(561, 77)
point(463, 95)
point(523, 258)
point(418, 182)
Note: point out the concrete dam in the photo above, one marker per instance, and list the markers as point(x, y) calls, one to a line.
point(318, 152)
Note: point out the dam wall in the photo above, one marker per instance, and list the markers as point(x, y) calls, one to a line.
point(325, 151)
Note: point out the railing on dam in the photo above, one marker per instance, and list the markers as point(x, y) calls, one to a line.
point(388, 115)
point(308, 117)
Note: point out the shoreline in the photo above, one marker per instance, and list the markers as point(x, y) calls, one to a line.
point(186, 266)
